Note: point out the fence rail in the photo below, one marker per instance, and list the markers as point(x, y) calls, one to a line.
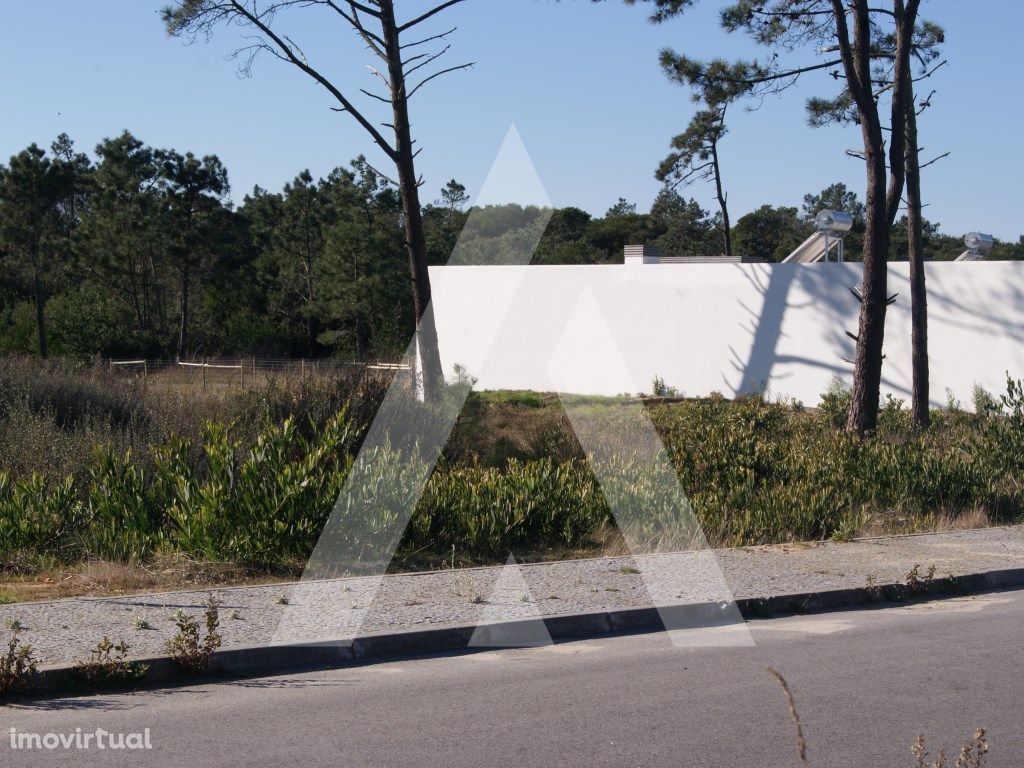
point(239, 371)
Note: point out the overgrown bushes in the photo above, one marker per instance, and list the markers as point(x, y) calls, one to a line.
point(256, 485)
point(257, 505)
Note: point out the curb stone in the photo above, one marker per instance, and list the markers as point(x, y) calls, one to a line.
point(255, 661)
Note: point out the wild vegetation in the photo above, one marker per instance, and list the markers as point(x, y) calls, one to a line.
point(17, 666)
point(188, 647)
point(108, 665)
point(112, 469)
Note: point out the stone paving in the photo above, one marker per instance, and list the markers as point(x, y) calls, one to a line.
point(64, 631)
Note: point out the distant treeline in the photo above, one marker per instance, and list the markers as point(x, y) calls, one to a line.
point(139, 251)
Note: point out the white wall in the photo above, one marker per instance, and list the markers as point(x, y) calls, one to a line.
point(729, 328)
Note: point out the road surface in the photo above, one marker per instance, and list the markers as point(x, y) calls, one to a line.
point(866, 684)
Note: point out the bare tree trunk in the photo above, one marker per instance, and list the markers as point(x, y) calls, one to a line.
point(883, 199)
point(183, 324)
point(361, 331)
point(184, 17)
point(160, 305)
point(722, 199)
point(133, 288)
point(867, 374)
point(40, 302)
point(918, 289)
point(307, 266)
point(408, 184)
point(867, 377)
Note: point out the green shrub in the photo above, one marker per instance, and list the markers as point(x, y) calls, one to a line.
point(108, 665)
point(37, 516)
point(835, 402)
point(489, 511)
point(188, 648)
point(998, 447)
point(257, 489)
point(257, 505)
point(17, 667)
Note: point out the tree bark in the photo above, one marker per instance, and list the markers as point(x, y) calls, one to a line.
point(722, 200)
point(307, 266)
point(133, 288)
point(361, 332)
point(867, 374)
point(183, 324)
point(884, 191)
point(918, 289)
point(160, 305)
point(867, 377)
point(40, 302)
point(408, 184)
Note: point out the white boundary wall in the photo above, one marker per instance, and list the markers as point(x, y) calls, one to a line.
point(730, 328)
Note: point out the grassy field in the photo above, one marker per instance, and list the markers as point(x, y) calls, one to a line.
point(111, 483)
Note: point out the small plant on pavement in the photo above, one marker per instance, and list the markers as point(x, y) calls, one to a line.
point(191, 651)
point(14, 625)
point(972, 754)
point(141, 624)
point(108, 664)
point(17, 667)
point(917, 580)
point(873, 587)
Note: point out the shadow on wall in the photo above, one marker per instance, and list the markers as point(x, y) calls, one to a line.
point(982, 316)
point(735, 328)
point(964, 309)
point(777, 285)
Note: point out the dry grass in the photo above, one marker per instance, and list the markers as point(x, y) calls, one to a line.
point(895, 524)
point(170, 573)
point(166, 573)
point(604, 541)
point(972, 754)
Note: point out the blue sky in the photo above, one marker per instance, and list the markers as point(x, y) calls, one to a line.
point(580, 80)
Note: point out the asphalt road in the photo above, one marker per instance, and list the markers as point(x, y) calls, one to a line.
point(866, 684)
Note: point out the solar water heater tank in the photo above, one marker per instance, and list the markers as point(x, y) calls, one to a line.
point(979, 243)
point(837, 222)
